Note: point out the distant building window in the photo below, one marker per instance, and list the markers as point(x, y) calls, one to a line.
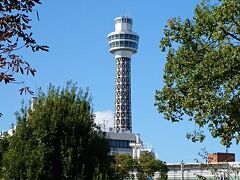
point(123, 20)
point(130, 43)
point(129, 21)
point(119, 143)
point(123, 36)
point(118, 20)
point(125, 43)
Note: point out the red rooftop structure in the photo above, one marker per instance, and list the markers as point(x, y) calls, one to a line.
point(221, 157)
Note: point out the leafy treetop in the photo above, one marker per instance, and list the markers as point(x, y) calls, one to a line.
point(202, 70)
point(148, 165)
point(56, 140)
point(145, 167)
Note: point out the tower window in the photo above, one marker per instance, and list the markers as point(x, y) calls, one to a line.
point(129, 21)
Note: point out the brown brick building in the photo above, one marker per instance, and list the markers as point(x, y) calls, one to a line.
point(221, 157)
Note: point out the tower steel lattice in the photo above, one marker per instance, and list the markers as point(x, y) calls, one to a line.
point(123, 43)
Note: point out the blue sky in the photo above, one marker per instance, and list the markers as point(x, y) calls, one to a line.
point(76, 32)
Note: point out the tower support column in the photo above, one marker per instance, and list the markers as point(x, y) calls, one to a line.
point(123, 116)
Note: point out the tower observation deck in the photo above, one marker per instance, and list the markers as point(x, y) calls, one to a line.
point(123, 43)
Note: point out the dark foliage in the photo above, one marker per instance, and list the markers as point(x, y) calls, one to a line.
point(57, 140)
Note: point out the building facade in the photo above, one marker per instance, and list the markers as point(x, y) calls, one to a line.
point(221, 157)
point(196, 171)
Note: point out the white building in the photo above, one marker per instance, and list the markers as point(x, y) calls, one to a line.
point(192, 171)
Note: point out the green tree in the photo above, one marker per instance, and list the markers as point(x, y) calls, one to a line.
point(202, 70)
point(148, 165)
point(57, 140)
point(3, 147)
point(15, 34)
point(123, 166)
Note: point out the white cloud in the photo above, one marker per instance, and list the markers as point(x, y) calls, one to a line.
point(105, 119)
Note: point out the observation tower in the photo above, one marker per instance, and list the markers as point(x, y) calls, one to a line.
point(123, 43)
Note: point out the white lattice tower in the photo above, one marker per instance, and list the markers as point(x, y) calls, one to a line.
point(123, 44)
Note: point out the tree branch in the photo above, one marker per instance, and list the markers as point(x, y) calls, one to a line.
point(230, 34)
